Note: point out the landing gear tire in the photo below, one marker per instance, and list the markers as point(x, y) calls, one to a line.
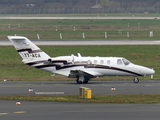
point(136, 80)
point(79, 82)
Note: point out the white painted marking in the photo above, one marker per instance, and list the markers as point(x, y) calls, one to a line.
point(49, 93)
point(19, 112)
point(3, 113)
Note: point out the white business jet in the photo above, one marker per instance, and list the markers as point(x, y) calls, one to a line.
point(81, 68)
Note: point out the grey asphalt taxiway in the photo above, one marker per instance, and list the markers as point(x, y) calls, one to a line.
point(90, 42)
point(65, 18)
point(72, 88)
point(32, 110)
point(36, 110)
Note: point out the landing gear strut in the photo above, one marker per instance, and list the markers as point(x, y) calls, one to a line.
point(136, 80)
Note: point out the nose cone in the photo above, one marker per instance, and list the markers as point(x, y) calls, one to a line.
point(148, 71)
point(144, 70)
point(152, 71)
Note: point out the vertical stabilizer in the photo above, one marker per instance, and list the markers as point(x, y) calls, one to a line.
point(27, 49)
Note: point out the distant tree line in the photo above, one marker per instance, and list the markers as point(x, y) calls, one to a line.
point(81, 3)
point(78, 6)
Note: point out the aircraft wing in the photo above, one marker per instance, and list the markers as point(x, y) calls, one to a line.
point(86, 74)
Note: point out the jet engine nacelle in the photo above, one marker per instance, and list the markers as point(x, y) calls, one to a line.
point(59, 61)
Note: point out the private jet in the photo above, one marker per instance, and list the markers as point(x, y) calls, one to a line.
point(79, 67)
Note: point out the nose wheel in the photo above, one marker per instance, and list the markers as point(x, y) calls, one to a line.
point(136, 80)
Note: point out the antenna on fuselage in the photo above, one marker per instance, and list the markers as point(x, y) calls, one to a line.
point(79, 55)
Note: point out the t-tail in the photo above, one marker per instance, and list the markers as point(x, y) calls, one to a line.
point(27, 49)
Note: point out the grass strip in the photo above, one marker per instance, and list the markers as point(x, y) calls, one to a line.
point(138, 98)
point(93, 29)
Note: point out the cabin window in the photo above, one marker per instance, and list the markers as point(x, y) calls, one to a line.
point(95, 61)
point(126, 62)
point(108, 62)
point(119, 62)
point(102, 62)
point(89, 62)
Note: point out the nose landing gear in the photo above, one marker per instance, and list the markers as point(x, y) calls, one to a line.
point(136, 80)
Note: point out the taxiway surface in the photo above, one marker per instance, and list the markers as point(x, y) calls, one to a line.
point(98, 17)
point(72, 88)
point(35, 110)
point(89, 42)
point(32, 110)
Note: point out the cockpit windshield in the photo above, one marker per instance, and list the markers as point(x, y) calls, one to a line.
point(126, 62)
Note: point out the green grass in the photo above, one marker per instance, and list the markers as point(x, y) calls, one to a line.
point(139, 98)
point(11, 67)
point(93, 29)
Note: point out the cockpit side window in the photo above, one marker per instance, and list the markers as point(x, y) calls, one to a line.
point(119, 62)
point(126, 62)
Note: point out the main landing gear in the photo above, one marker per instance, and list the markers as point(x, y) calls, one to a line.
point(80, 82)
point(136, 80)
point(81, 79)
